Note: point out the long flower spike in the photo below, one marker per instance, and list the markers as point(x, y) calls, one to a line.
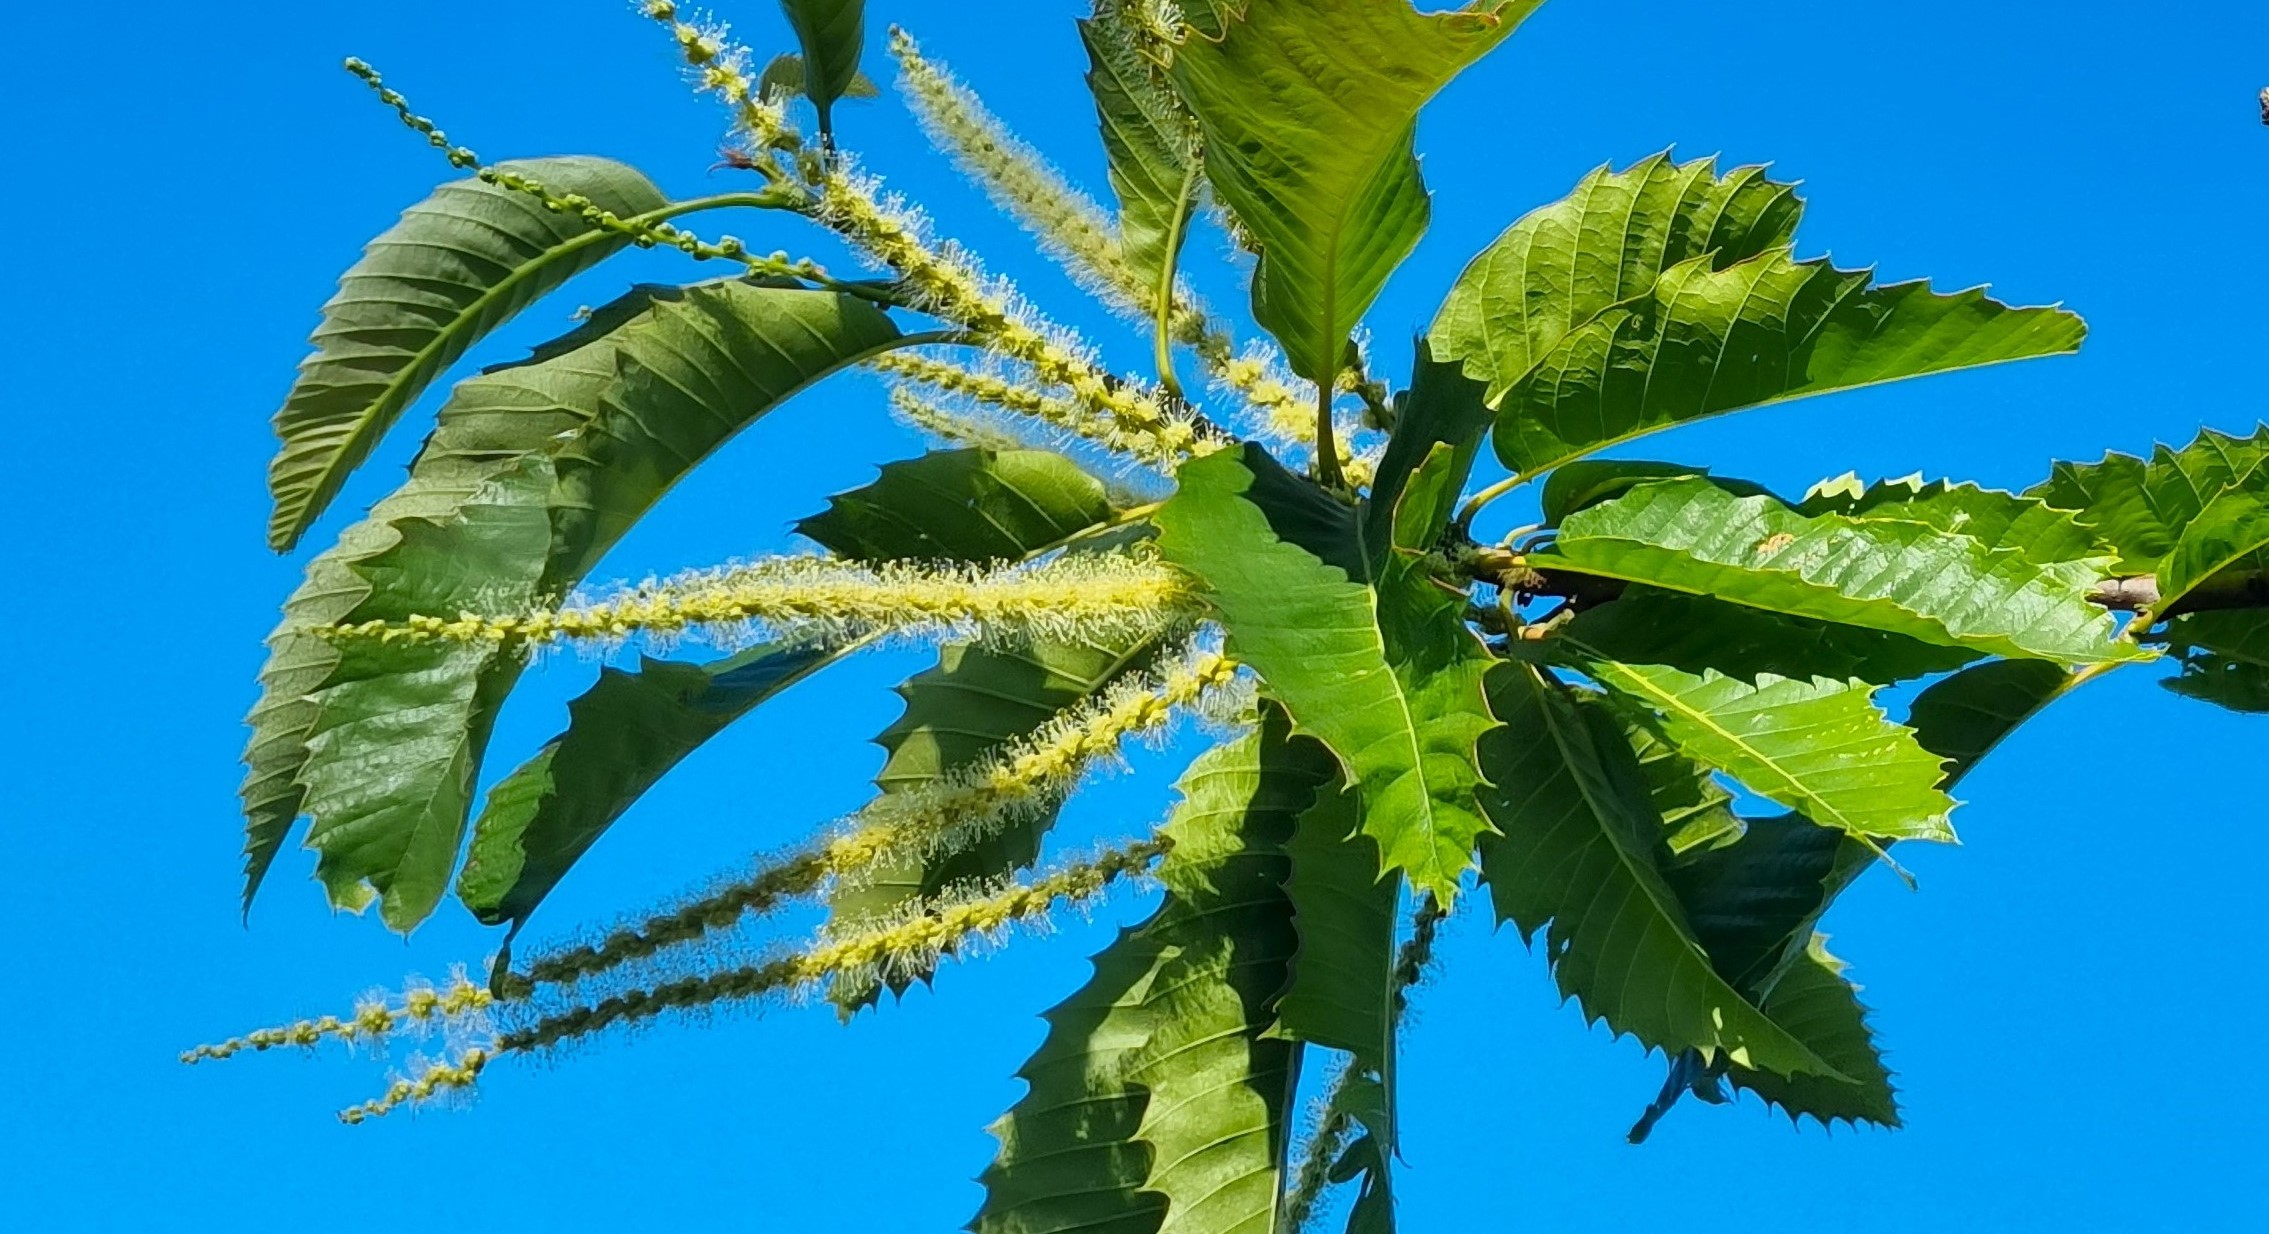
point(1066, 221)
point(420, 1008)
point(948, 814)
point(906, 945)
point(823, 599)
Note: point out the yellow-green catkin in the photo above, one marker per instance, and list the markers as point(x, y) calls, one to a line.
point(1068, 224)
point(1090, 596)
point(943, 280)
point(438, 1079)
point(947, 814)
point(908, 946)
point(1023, 399)
point(418, 1008)
point(651, 230)
point(949, 426)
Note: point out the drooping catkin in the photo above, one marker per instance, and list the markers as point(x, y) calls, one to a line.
point(425, 1083)
point(459, 1007)
point(906, 945)
point(1090, 595)
point(1334, 1122)
point(946, 815)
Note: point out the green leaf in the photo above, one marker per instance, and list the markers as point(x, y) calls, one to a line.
point(1608, 242)
point(1746, 900)
point(1149, 146)
point(1896, 576)
point(1581, 848)
point(832, 33)
point(1353, 635)
point(1707, 341)
point(2225, 658)
point(962, 505)
point(490, 423)
point(1664, 293)
point(1364, 1098)
point(1441, 408)
point(1817, 746)
point(1696, 810)
point(626, 413)
point(1993, 518)
point(457, 265)
point(784, 75)
point(1309, 110)
point(1821, 1005)
point(1697, 633)
point(398, 732)
point(1962, 718)
point(1342, 989)
point(1756, 903)
point(623, 735)
point(1587, 482)
point(2229, 534)
point(2139, 509)
point(1156, 1103)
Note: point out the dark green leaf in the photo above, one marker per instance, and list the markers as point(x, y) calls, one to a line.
point(2228, 534)
point(623, 735)
point(1309, 109)
point(1664, 293)
point(1353, 635)
point(1364, 1098)
point(1583, 849)
point(2138, 509)
point(1696, 634)
point(1441, 408)
point(832, 33)
point(974, 701)
point(962, 505)
point(1156, 1102)
point(624, 415)
point(1587, 482)
point(1820, 1005)
point(784, 75)
point(1149, 146)
point(2225, 658)
point(457, 265)
point(1342, 989)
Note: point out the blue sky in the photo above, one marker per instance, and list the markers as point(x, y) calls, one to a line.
point(2072, 1000)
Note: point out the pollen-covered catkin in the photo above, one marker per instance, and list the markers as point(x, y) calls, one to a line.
point(942, 280)
point(1088, 596)
point(950, 426)
point(908, 944)
point(1066, 221)
point(947, 814)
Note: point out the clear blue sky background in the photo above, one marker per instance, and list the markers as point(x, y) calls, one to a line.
point(2073, 1000)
